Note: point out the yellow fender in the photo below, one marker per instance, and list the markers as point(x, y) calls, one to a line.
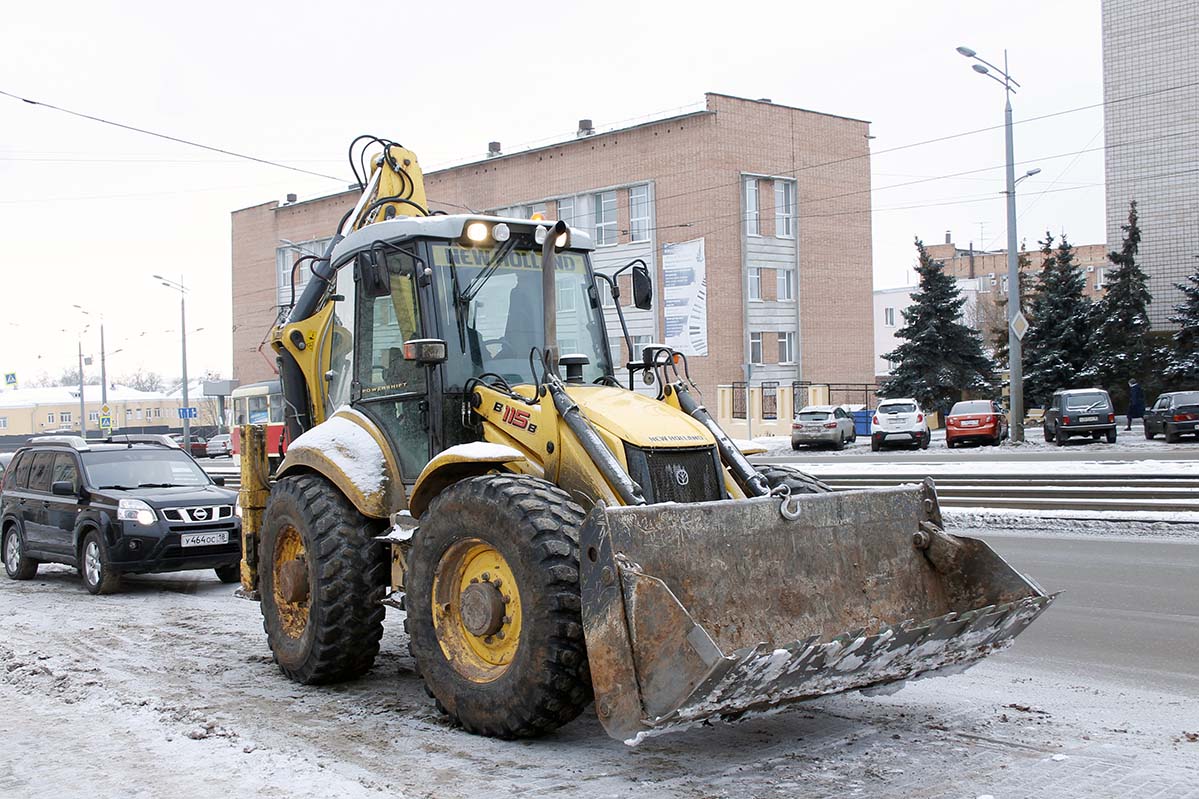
point(462, 461)
point(349, 450)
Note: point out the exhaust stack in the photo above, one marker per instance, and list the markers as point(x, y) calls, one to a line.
point(549, 295)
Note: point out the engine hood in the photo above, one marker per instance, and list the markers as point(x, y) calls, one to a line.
point(639, 420)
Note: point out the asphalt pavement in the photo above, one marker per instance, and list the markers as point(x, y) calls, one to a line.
point(1129, 611)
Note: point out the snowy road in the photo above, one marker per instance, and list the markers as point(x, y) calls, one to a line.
point(167, 690)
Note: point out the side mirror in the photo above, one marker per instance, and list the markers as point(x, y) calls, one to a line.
point(219, 481)
point(425, 351)
point(371, 271)
point(62, 488)
point(643, 288)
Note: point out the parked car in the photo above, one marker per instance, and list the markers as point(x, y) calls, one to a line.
point(1174, 414)
point(115, 509)
point(219, 446)
point(899, 421)
point(5, 457)
point(1079, 412)
point(823, 425)
point(198, 446)
point(975, 420)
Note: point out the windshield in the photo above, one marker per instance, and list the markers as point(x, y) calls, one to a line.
point(505, 320)
point(973, 406)
point(1089, 399)
point(134, 468)
point(898, 407)
point(813, 416)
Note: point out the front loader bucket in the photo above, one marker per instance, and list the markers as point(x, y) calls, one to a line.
point(709, 610)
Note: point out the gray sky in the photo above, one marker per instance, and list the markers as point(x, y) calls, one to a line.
point(89, 212)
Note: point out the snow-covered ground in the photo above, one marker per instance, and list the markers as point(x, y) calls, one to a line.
point(167, 690)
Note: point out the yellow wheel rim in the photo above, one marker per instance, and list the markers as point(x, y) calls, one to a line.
point(293, 616)
point(476, 610)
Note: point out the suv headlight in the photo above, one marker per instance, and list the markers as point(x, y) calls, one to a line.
point(134, 510)
point(237, 506)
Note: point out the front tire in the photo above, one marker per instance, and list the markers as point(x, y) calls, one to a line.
point(229, 574)
point(1149, 432)
point(98, 577)
point(322, 578)
point(17, 565)
point(494, 618)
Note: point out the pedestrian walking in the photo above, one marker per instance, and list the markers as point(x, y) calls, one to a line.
point(1136, 402)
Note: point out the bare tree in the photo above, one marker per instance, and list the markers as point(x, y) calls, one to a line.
point(143, 380)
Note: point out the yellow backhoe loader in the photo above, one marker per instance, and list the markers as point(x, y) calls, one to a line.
point(462, 446)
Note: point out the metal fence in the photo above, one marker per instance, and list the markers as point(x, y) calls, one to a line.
point(838, 394)
point(740, 400)
point(770, 400)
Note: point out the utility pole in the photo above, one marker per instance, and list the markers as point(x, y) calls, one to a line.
point(82, 406)
point(178, 286)
point(1015, 356)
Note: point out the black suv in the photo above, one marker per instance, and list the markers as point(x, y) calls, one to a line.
point(115, 508)
point(1079, 412)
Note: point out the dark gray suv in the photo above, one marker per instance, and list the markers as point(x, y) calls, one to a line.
point(1080, 412)
point(110, 509)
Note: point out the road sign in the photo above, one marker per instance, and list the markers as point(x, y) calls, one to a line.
point(188, 413)
point(10, 378)
point(104, 410)
point(105, 422)
point(1020, 325)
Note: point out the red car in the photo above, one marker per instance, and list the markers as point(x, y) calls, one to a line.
point(198, 445)
point(975, 420)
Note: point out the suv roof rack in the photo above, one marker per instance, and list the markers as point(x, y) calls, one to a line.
point(74, 442)
point(159, 439)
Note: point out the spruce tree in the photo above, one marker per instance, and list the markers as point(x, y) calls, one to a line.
point(1056, 347)
point(940, 357)
point(1119, 340)
point(1183, 365)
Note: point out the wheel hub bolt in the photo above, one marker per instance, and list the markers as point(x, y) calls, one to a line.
point(482, 609)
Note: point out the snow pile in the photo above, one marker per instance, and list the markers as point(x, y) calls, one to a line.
point(1118, 524)
point(350, 448)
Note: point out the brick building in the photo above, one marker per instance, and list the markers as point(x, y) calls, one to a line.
point(780, 197)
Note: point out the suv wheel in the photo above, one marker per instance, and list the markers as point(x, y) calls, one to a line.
point(1059, 437)
point(1171, 437)
point(1148, 431)
point(229, 574)
point(839, 444)
point(1045, 432)
point(875, 444)
point(97, 574)
point(924, 442)
point(1111, 436)
point(17, 564)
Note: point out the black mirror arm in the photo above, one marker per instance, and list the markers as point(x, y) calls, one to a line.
point(624, 327)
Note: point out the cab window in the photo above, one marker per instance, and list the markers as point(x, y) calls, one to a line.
point(64, 470)
point(21, 470)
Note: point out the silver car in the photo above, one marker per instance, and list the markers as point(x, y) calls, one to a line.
point(220, 446)
point(823, 425)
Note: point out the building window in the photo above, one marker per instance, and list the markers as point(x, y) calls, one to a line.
point(889, 317)
point(64, 418)
point(784, 209)
point(787, 347)
point(639, 213)
point(786, 284)
point(536, 208)
point(49, 418)
point(3, 422)
point(755, 348)
point(285, 258)
point(1003, 284)
point(751, 206)
point(93, 416)
point(566, 210)
point(1098, 278)
point(755, 283)
point(158, 413)
point(566, 297)
point(605, 218)
point(128, 413)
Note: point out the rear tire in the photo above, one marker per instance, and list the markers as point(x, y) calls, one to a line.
point(926, 440)
point(1059, 438)
point(1045, 432)
point(530, 527)
point(17, 565)
point(875, 444)
point(840, 443)
point(1111, 436)
point(793, 478)
point(1171, 437)
point(333, 632)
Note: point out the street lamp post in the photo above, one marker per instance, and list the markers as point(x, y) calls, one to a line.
point(1015, 356)
point(103, 371)
point(179, 287)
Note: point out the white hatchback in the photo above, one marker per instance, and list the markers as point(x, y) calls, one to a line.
point(899, 421)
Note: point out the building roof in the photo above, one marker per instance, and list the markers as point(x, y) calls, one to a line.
point(65, 395)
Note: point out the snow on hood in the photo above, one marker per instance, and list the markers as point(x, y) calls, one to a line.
point(350, 448)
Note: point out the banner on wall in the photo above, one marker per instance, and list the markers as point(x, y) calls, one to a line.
point(684, 297)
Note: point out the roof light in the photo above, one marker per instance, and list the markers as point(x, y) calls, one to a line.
point(501, 232)
point(477, 232)
point(539, 234)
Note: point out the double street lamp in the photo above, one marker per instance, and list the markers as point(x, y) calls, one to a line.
point(1015, 363)
point(179, 287)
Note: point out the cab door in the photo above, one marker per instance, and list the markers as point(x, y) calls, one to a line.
point(390, 390)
